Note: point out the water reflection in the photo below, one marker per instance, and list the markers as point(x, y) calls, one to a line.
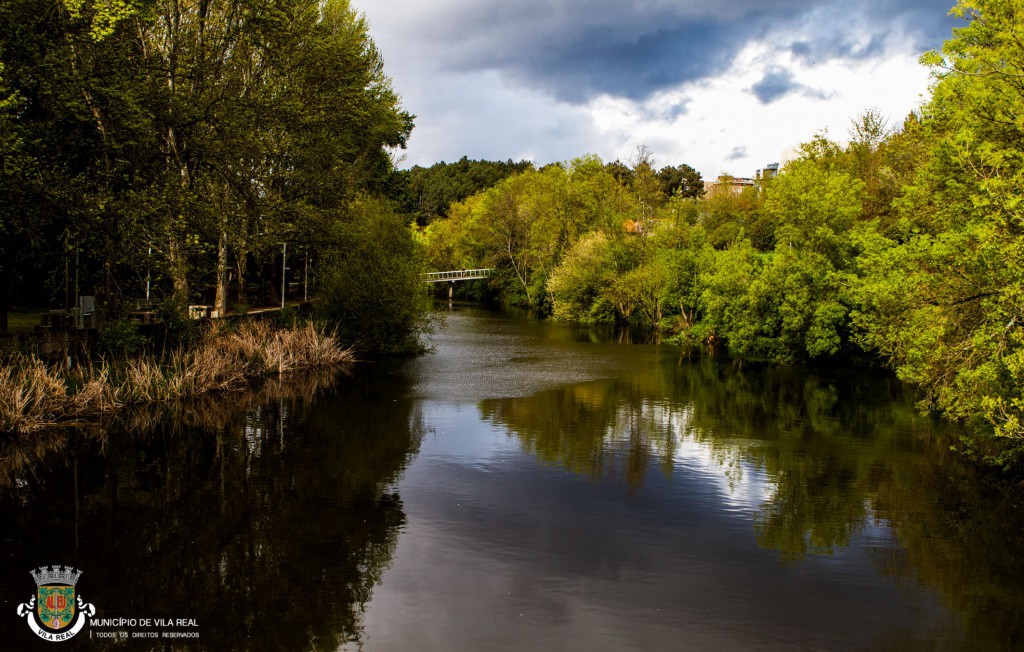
point(267, 516)
point(573, 493)
point(822, 461)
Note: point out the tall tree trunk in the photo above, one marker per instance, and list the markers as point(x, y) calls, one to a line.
point(520, 275)
point(178, 264)
point(221, 300)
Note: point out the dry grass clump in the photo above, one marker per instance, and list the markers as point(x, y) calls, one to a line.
point(268, 350)
point(35, 395)
point(31, 393)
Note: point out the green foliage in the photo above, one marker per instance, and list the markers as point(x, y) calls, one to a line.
point(102, 17)
point(727, 212)
point(945, 305)
point(159, 146)
point(178, 328)
point(814, 208)
point(638, 294)
point(686, 256)
point(681, 180)
point(724, 300)
point(581, 280)
point(569, 239)
point(371, 286)
point(429, 193)
point(122, 338)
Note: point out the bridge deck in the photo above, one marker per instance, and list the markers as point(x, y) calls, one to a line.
point(457, 275)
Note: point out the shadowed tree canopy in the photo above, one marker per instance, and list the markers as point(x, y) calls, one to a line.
point(183, 142)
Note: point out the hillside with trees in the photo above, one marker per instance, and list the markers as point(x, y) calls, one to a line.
point(428, 193)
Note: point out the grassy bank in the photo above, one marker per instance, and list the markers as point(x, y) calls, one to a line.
point(36, 395)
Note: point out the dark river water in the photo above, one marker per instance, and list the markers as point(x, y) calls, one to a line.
point(524, 486)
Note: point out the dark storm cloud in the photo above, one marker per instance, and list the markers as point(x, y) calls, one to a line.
point(738, 153)
point(778, 83)
point(636, 68)
point(575, 50)
point(827, 48)
point(775, 84)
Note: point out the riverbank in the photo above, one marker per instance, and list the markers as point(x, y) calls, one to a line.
point(35, 394)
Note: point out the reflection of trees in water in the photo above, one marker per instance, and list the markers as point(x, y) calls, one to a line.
point(217, 411)
point(21, 456)
point(268, 517)
point(841, 454)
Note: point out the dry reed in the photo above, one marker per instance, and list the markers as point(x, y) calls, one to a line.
point(35, 395)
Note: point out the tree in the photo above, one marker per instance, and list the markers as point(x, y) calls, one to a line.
point(371, 281)
point(684, 252)
point(192, 130)
point(815, 208)
point(428, 193)
point(681, 180)
point(947, 306)
point(582, 279)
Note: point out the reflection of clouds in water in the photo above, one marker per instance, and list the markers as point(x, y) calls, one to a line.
point(670, 435)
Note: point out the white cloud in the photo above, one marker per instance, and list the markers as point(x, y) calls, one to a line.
point(723, 116)
point(495, 113)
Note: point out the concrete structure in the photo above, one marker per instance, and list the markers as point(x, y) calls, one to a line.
point(769, 171)
point(726, 183)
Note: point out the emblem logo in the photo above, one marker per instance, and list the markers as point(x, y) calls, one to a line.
point(56, 605)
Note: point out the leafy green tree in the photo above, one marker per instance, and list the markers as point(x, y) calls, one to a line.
point(725, 302)
point(685, 254)
point(727, 211)
point(945, 307)
point(638, 294)
point(681, 180)
point(815, 208)
point(581, 281)
point(371, 284)
point(646, 186)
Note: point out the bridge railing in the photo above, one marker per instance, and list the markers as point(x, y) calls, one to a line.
point(457, 275)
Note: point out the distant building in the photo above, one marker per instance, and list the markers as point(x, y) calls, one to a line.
point(728, 183)
point(770, 171)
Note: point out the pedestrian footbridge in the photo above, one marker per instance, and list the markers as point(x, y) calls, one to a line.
point(457, 275)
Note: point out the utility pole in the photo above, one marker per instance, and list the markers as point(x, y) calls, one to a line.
point(67, 274)
point(284, 272)
point(78, 311)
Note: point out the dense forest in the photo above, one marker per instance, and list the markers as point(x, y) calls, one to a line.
point(178, 150)
point(905, 242)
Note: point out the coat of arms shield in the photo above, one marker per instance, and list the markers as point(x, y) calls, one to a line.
point(55, 605)
point(61, 614)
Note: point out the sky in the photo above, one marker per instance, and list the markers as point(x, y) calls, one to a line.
point(726, 86)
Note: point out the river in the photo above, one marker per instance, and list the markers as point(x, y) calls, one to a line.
point(524, 486)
